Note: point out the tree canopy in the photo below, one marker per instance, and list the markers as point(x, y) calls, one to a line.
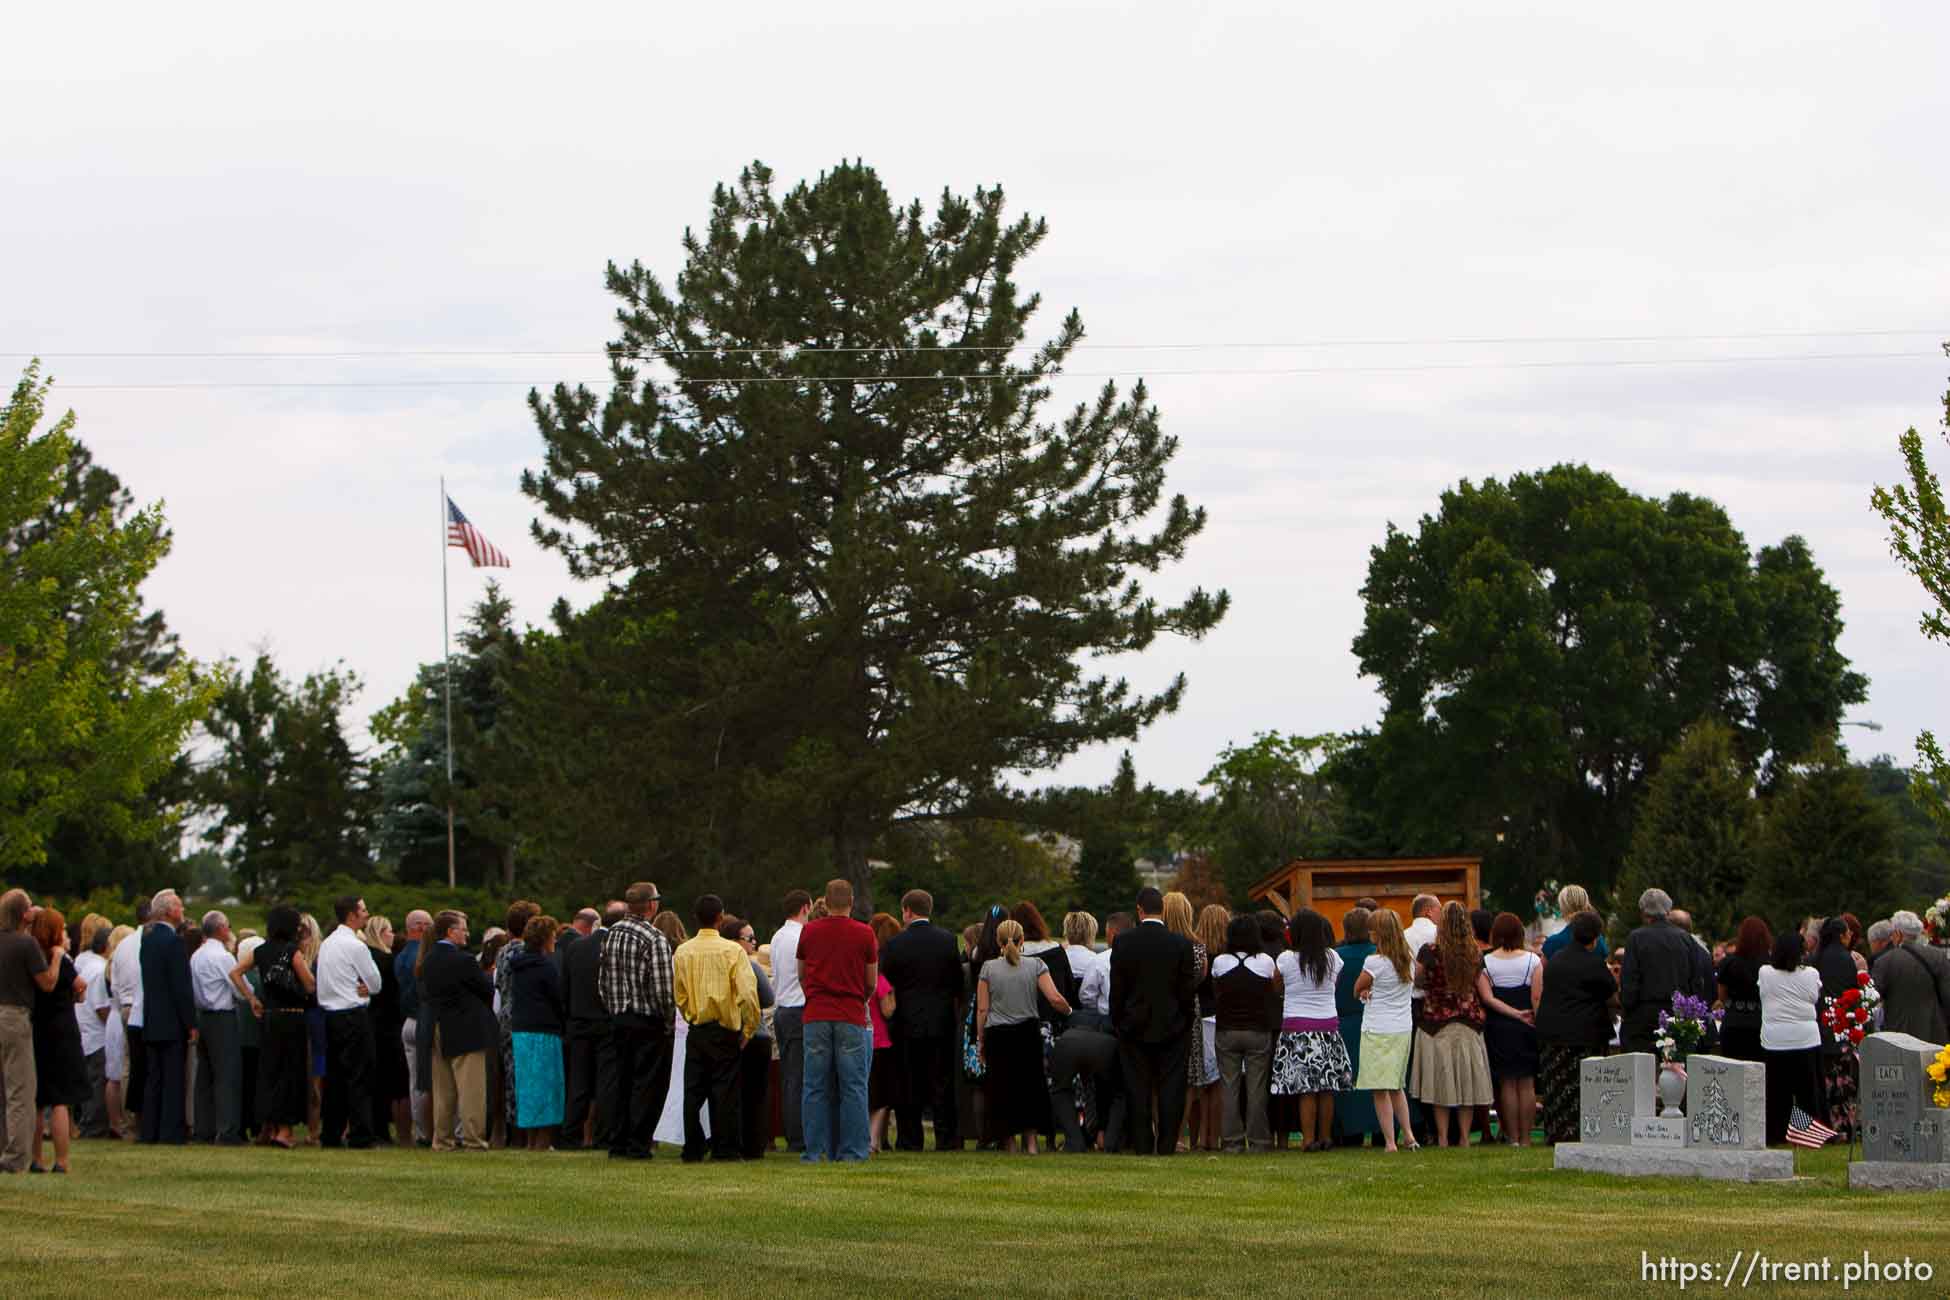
point(94, 702)
point(1541, 641)
point(828, 456)
point(1919, 538)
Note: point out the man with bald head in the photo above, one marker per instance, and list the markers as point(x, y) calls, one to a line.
point(418, 1090)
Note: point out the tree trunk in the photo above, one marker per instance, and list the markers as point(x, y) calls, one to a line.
point(508, 869)
point(850, 860)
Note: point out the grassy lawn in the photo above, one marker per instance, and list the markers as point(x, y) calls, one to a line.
point(1483, 1222)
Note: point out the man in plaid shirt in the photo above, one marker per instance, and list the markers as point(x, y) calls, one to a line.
point(633, 980)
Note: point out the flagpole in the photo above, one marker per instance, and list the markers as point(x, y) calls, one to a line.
point(447, 672)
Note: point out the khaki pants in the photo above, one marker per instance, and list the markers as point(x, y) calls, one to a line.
point(458, 1082)
point(17, 1068)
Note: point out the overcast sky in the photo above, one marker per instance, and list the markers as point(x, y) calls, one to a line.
point(270, 179)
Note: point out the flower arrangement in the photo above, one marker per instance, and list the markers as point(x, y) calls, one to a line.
point(1940, 1075)
point(1848, 1017)
point(1546, 902)
point(1682, 1030)
point(1936, 922)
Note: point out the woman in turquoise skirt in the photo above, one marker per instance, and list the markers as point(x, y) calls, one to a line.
point(537, 1038)
point(1354, 1118)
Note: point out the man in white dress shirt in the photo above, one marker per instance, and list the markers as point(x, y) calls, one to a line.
point(91, 1014)
point(347, 979)
point(125, 976)
point(1421, 928)
point(789, 1015)
point(219, 1091)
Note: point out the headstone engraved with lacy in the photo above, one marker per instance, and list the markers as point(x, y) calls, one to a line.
point(1898, 1121)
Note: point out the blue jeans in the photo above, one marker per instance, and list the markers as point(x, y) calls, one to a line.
point(835, 1110)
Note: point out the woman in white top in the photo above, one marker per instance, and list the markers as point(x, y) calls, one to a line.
point(1790, 1036)
point(1386, 984)
point(1310, 1060)
point(1510, 987)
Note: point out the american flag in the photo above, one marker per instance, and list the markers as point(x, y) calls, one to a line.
point(479, 549)
point(1806, 1131)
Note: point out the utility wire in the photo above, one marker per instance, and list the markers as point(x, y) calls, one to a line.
point(1603, 363)
point(1303, 344)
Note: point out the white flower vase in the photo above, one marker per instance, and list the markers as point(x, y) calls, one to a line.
point(1672, 1090)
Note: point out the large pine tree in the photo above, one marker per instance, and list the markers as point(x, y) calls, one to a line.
point(829, 454)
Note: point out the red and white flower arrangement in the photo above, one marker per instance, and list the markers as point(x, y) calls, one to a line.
point(1849, 1016)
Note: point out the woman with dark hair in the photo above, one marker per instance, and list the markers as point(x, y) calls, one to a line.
point(1739, 988)
point(520, 913)
point(1354, 1115)
point(1246, 1009)
point(285, 978)
point(755, 1060)
point(60, 1073)
point(1836, 963)
point(1283, 1113)
point(1310, 1060)
point(1040, 943)
point(1511, 986)
point(1573, 1022)
point(1790, 1036)
point(1451, 1069)
point(537, 1023)
point(1857, 940)
point(984, 950)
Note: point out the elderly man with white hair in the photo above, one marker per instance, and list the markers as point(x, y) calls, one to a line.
point(1914, 980)
point(1658, 962)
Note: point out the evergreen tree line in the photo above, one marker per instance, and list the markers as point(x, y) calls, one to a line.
point(858, 575)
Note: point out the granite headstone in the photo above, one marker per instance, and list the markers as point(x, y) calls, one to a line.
point(1613, 1091)
point(1899, 1123)
point(1726, 1104)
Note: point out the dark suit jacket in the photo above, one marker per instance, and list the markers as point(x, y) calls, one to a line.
point(579, 994)
point(457, 994)
point(923, 964)
point(1153, 984)
point(1914, 980)
point(168, 1009)
point(1659, 961)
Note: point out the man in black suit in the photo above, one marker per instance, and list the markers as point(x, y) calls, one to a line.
point(591, 1056)
point(923, 964)
point(1658, 962)
point(168, 1021)
point(1153, 997)
point(458, 1030)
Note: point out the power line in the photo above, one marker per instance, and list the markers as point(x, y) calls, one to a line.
point(1426, 367)
point(1291, 345)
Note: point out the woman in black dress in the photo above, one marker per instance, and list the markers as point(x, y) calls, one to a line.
point(1739, 981)
point(61, 1075)
point(284, 1079)
point(389, 1078)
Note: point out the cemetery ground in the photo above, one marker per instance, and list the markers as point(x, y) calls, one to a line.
point(1484, 1222)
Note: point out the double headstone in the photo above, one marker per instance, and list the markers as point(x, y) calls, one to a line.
point(1726, 1104)
point(1905, 1137)
point(1614, 1091)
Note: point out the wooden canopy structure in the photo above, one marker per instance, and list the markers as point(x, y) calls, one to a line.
point(1332, 886)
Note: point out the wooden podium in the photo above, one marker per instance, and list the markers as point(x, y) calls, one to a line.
point(1331, 886)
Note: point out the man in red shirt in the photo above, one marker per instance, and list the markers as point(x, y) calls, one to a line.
point(839, 963)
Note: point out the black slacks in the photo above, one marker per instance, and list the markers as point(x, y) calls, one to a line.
point(166, 1077)
point(347, 1108)
point(642, 1049)
point(1160, 1066)
point(755, 1098)
point(589, 1076)
point(1088, 1053)
point(711, 1078)
point(928, 1069)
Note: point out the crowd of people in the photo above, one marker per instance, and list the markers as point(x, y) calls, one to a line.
point(1175, 1029)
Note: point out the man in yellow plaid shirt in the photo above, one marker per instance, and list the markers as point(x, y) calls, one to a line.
point(717, 995)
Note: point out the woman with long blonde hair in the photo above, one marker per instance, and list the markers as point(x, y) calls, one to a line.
point(1008, 1034)
point(1204, 1096)
point(1387, 1026)
point(115, 1042)
point(1452, 1067)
